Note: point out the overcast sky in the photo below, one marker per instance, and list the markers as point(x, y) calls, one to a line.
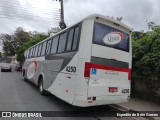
point(41, 15)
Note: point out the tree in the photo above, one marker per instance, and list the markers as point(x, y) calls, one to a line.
point(146, 57)
point(35, 37)
point(7, 42)
point(21, 40)
point(53, 31)
point(20, 37)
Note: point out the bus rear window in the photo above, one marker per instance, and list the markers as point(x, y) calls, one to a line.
point(110, 37)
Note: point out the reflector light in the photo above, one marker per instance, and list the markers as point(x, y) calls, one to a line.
point(87, 69)
point(89, 101)
point(94, 98)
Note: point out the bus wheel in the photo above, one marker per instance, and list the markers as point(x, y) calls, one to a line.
point(41, 89)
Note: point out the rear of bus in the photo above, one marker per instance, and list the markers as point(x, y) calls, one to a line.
point(107, 67)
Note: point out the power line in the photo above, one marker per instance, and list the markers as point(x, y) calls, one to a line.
point(30, 15)
point(53, 14)
point(31, 11)
point(25, 13)
point(31, 19)
point(26, 6)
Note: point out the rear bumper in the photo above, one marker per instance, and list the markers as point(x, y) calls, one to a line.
point(82, 101)
point(6, 69)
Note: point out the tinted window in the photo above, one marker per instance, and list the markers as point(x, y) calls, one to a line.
point(76, 36)
point(43, 48)
point(70, 39)
point(36, 51)
point(39, 50)
point(48, 48)
point(62, 42)
point(110, 37)
point(31, 51)
point(54, 44)
point(27, 54)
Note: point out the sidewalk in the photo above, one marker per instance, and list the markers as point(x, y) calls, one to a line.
point(140, 105)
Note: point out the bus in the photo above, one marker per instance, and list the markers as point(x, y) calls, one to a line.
point(87, 64)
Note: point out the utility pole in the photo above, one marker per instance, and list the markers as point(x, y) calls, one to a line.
point(62, 23)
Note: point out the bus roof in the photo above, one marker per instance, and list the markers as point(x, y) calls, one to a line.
point(88, 17)
point(109, 19)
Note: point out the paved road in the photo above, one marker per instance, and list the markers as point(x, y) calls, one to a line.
point(18, 95)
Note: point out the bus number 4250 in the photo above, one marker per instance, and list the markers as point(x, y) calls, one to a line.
point(71, 69)
point(125, 91)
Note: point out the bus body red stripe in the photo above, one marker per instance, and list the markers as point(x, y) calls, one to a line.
point(97, 66)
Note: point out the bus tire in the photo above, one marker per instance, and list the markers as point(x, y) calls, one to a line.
point(40, 86)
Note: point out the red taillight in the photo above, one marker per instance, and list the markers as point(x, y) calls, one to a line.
point(113, 89)
point(87, 69)
point(129, 75)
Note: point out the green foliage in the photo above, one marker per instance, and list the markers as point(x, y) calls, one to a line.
point(146, 58)
point(35, 38)
point(21, 40)
point(7, 41)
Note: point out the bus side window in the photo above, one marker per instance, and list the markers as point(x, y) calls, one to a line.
point(76, 38)
point(48, 48)
point(39, 49)
point(62, 42)
point(36, 51)
point(54, 44)
point(43, 49)
point(28, 53)
point(31, 50)
point(70, 39)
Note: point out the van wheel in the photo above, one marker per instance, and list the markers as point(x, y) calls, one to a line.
point(41, 88)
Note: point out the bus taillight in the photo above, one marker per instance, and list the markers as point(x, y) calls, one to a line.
point(129, 75)
point(87, 69)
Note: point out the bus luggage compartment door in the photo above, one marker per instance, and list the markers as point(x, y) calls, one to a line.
point(108, 82)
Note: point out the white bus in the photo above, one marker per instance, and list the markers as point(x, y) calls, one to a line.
point(87, 64)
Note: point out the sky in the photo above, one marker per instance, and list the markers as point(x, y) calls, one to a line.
point(41, 15)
